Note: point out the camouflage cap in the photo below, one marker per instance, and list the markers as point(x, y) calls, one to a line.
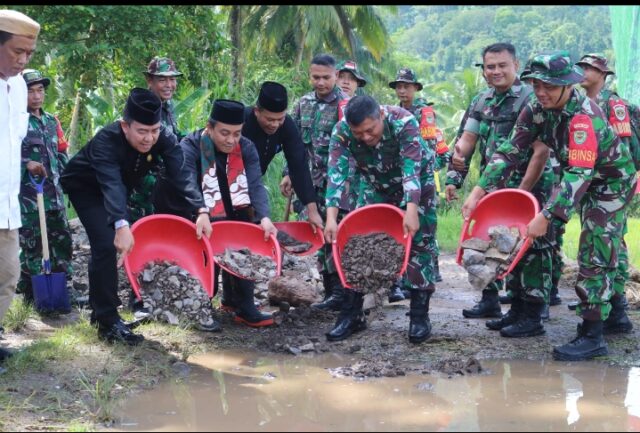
point(597, 61)
point(351, 66)
point(554, 68)
point(406, 75)
point(32, 76)
point(162, 67)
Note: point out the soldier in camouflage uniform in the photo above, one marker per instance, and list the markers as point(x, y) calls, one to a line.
point(598, 173)
point(161, 76)
point(492, 116)
point(396, 166)
point(44, 153)
point(616, 109)
point(406, 86)
point(315, 114)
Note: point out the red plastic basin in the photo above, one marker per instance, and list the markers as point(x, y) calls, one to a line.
point(509, 207)
point(371, 219)
point(172, 238)
point(302, 231)
point(239, 234)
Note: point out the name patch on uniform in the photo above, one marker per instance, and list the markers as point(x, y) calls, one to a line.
point(342, 106)
point(583, 146)
point(428, 123)
point(619, 117)
point(441, 146)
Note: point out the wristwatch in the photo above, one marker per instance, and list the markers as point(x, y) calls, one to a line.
point(121, 223)
point(548, 215)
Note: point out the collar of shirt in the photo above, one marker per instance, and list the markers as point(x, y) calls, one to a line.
point(332, 96)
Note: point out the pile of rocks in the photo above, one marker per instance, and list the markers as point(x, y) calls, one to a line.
point(485, 260)
point(291, 244)
point(243, 262)
point(372, 261)
point(173, 296)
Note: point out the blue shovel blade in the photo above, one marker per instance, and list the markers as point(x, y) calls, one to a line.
point(50, 292)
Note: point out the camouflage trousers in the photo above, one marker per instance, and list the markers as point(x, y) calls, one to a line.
point(60, 247)
point(531, 279)
point(420, 273)
point(558, 262)
point(140, 202)
point(602, 255)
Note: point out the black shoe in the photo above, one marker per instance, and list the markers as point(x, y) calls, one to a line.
point(573, 305)
point(395, 293)
point(510, 318)
point(528, 324)
point(618, 322)
point(5, 354)
point(119, 333)
point(587, 344)
point(505, 299)
point(489, 306)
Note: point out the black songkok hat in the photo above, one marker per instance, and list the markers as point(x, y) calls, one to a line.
point(273, 97)
point(227, 111)
point(143, 106)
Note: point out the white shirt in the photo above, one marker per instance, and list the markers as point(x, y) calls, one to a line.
point(14, 122)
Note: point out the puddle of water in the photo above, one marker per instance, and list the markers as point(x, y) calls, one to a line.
point(248, 392)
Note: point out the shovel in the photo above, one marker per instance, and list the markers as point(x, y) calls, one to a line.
point(49, 289)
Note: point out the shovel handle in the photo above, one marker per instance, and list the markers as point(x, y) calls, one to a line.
point(288, 208)
point(43, 224)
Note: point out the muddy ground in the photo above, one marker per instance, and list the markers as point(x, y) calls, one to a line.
point(457, 346)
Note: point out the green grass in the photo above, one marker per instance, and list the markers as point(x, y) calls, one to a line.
point(18, 313)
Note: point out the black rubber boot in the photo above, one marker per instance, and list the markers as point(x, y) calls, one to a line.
point(505, 299)
point(554, 299)
point(228, 302)
point(333, 286)
point(419, 323)
point(395, 293)
point(351, 318)
point(529, 323)
point(508, 319)
point(618, 322)
point(489, 306)
point(247, 312)
point(587, 344)
point(436, 271)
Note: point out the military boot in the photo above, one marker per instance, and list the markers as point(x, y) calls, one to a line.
point(489, 306)
point(588, 344)
point(332, 286)
point(508, 319)
point(436, 271)
point(554, 299)
point(419, 323)
point(529, 323)
point(395, 293)
point(351, 318)
point(247, 312)
point(228, 302)
point(545, 312)
point(618, 322)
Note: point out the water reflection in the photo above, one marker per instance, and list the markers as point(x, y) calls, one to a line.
point(240, 391)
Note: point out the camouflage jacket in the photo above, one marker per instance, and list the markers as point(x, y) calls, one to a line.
point(492, 117)
point(41, 145)
point(611, 175)
point(397, 167)
point(315, 118)
point(632, 142)
point(416, 109)
point(169, 119)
